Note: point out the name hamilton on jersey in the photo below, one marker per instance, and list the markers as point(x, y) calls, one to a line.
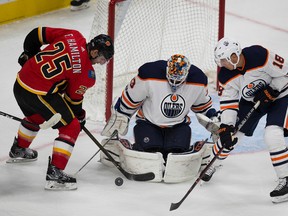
point(172, 105)
point(75, 54)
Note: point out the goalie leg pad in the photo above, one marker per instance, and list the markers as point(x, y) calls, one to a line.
point(113, 148)
point(138, 162)
point(182, 167)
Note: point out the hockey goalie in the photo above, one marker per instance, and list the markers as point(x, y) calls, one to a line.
point(161, 96)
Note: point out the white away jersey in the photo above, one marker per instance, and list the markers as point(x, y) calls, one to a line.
point(261, 68)
point(150, 93)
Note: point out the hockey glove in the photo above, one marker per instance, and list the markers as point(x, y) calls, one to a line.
point(266, 96)
point(23, 58)
point(226, 136)
point(82, 118)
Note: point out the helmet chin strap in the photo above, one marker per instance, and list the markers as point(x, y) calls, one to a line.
point(234, 64)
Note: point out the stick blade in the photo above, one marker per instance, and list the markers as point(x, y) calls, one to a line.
point(144, 176)
point(174, 206)
point(136, 177)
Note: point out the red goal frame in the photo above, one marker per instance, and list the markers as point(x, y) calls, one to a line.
point(111, 33)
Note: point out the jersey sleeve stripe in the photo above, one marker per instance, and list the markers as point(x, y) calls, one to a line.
point(127, 101)
point(232, 106)
point(40, 35)
point(201, 107)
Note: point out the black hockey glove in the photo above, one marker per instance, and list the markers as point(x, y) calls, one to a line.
point(266, 96)
point(226, 136)
point(23, 58)
point(81, 118)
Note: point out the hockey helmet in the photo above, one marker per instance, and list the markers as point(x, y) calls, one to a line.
point(177, 70)
point(224, 49)
point(104, 44)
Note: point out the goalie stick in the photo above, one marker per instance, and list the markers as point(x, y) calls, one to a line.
point(174, 206)
point(136, 177)
point(115, 133)
point(47, 124)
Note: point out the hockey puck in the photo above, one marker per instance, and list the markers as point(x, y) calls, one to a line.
point(119, 181)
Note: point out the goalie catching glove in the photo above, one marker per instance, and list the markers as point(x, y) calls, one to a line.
point(117, 121)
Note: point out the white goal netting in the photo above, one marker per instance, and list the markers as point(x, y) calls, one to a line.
point(149, 30)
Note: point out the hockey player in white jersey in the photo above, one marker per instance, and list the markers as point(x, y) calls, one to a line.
point(247, 76)
point(162, 94)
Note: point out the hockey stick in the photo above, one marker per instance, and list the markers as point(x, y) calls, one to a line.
point(47, 124)
point(115, 133)
point(174, 206)
point(137, 177)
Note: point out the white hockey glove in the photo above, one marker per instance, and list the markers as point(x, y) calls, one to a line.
point(212, 125)
point(117, 121)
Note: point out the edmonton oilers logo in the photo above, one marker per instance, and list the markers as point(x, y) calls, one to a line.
point(250, 89)
point(172, 106)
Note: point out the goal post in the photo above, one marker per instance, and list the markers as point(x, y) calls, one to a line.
point(149, 30)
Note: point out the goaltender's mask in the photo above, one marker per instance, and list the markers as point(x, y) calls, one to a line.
point(177, 70)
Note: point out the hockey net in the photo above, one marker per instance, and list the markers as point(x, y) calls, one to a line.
point(149, 30)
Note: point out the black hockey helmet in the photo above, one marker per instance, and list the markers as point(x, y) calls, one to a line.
point(104, 44)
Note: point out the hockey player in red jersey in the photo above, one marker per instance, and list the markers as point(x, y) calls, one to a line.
point(163, 93)
point(247, 76)
point(54, 80)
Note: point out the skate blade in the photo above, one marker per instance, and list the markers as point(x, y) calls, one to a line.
point(280, 199)
point(20, 160)
point(55, 186)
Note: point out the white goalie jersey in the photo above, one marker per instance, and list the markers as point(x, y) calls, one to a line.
point(150, 94)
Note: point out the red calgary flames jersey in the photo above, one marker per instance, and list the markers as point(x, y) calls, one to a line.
point(63, 64)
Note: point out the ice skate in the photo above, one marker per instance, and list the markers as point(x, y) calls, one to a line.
point(18, 154)
point(56, 179)
point(280, 193)
point(79, 4)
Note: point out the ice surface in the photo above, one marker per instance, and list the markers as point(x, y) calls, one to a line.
point(240, 188)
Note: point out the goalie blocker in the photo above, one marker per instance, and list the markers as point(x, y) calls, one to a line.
point(179, 167)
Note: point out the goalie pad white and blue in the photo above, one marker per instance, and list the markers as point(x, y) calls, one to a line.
point(179, 167)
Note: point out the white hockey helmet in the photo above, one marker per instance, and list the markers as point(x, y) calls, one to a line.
point(224, 49)
point(177, 70)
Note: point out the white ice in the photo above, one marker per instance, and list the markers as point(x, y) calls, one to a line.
point(241, 187)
